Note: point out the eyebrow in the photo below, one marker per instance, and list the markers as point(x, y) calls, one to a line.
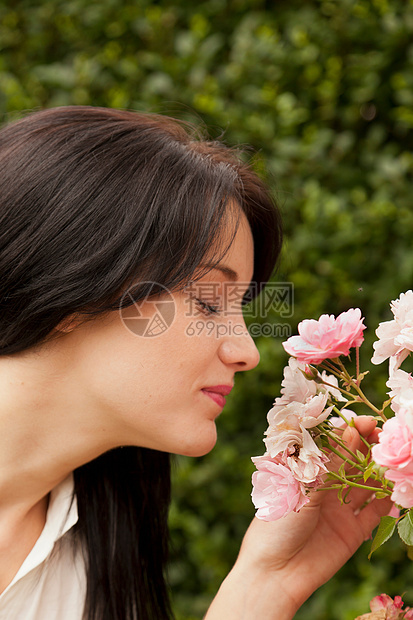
point(227, 271)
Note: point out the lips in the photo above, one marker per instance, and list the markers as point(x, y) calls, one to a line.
point(217, 393)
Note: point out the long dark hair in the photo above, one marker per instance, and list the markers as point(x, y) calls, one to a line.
point(91, 199)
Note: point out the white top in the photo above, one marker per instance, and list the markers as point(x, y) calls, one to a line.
point(51, 582)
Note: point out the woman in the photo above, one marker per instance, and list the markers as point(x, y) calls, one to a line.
point(108, 217)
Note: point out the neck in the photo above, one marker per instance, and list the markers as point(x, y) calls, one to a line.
point(48, 428)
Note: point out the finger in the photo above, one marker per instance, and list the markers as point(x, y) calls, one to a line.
point(351, 438)
point(365, 424)
point(369, 517)
point(358, 498)
point(355, 496)
point(367, 428)
point(374, 436)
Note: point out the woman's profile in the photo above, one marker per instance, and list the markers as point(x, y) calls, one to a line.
point(105, 213)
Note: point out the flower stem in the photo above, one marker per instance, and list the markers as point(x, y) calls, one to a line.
point(330, 368)
point(348, 422)
point(338, 441)
point(363, 397)
point(364, 440)
point(358, 486)
point(339, 413)
point(358, 365)
point(345, 459)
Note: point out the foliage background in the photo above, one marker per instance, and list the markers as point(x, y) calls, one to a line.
point(323, 92)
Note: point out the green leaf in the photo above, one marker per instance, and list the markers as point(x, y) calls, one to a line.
point(384, 531)
point(405, 528)
point(347, 491)
point(386, 404)
point(368, 471)
point(360, 455)
point(381, 495)
point(323, 441)
point(410, 552)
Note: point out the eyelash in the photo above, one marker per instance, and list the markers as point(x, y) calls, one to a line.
point(206, 308)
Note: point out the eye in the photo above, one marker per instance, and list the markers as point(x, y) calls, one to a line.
point(206, 308)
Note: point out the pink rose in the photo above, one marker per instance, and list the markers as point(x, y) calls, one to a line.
point(327, 338)
point(396, 336)
point(402, 494)
point(298, 388)
point(308, 414)
point(385, 346)
point(393, 608)
point(283, 432)
point(307, 462)
point(275, 491)
point(401, 389)
point(314, 412)
point(295, 386)
point(395, 447)
point(384, 601)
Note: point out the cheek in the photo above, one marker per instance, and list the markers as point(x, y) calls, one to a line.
point(127, 373)
point(111, 365)
point(121, 367)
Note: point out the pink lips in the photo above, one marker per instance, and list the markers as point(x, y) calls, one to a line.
point(217, 393)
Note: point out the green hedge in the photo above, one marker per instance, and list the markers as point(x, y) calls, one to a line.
point(323, 92)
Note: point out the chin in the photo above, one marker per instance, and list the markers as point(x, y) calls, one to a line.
point(201, 444)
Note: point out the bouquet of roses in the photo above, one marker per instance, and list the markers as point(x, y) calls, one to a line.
point(383, 607)
point(319, 395)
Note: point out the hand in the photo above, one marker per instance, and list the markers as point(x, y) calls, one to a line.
point(303, 550)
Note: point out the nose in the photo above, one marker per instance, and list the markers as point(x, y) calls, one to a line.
point(239, 350)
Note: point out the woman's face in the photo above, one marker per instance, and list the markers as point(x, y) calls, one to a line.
point(166, 391)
